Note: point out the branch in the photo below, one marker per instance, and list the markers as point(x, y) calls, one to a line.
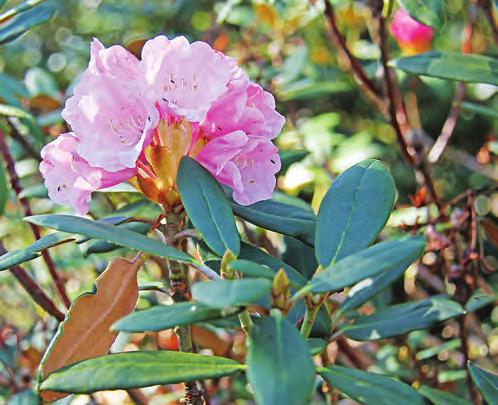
point(356, 68)
point(34, 290)
point(16, 186)
point(448, 127)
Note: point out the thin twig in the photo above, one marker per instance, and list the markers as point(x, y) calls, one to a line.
point(16, 186)
point(356, 68)
point(448, 127)
point(30, 149)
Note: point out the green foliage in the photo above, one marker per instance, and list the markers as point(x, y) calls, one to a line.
point(353, 211)
point(370, 388)
point(428, 12)
point(438, 397)
point(114, 371)
point(280, 369)
point(486, 382)
point(163, 317)
point(403, 318)
point(451, 66)
point(227, 293)
point(207, 207)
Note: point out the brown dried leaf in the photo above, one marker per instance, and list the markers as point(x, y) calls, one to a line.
point(85, 333)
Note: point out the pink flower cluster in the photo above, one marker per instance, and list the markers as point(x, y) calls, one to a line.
point(412, 36)
point(121, 104)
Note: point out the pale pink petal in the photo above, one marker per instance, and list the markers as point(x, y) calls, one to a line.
point(246, 164)
point(186, 77)
point(111, 110)
point(69, 178)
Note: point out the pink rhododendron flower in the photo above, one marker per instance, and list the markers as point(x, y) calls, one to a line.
point(412, 36)
point(69, 178)
point(134, 120)
point(247, 164)
point(110, 111)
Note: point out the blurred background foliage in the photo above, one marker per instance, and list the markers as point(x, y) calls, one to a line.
point(330, 126)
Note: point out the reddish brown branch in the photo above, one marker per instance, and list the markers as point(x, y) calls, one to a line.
point(356, 357)
point(30, 150)
point(356, 68)
point(34, 290)
point(16, 186)
point(448, 127)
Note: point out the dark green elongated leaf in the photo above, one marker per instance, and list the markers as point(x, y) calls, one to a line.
point(480, 109)
point(316, 345)
point(479, 299)
point(110, 233)
point(20, 23)
point(13, 111)
point(380, 258)
point(486, 382)
point(25, 5)
point(435, 350)
point(451, 66)
point(251, 269)
point(4, 189)
point(15, 257)
point(354, 211)
point(370, 388)
point(252, 253)
point(438, 397)
point(228, 293)
point(207, 207)
point(100, 246)
point(278, 217)
point(163, 317)
point(113, 371)
point(428, 12)
point(280, 367)
point(403, 318)
point(368, 287)
point(300, 256)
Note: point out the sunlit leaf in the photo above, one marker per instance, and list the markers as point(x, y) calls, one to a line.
point(428, 12)
point(354, 211)
point(486, 382)
point(451, 66)
point(113, 371)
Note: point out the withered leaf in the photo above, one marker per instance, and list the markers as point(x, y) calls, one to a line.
point(85, 333)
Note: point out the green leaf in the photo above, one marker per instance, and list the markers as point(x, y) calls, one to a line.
point(110, 233)
point(370, 388)
point(368, 287)
point(101, 246)
point(451, 66)
point(380, 258)
point(15, 257)
point(403, 318)
point(207, 207)
point(138, 369)
point(316, 345)
point(280, 367)
point(26, 397)
point(354, 211)
point(278, 217)
point(251, 269)
point(4, 189)
point(480, 109)
point(428, 12)
point(479, 299)
point(19, 23)
point(438, 397)
point(228, 293)
point(163, 317)
point(252, 253)
point(486, 382)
